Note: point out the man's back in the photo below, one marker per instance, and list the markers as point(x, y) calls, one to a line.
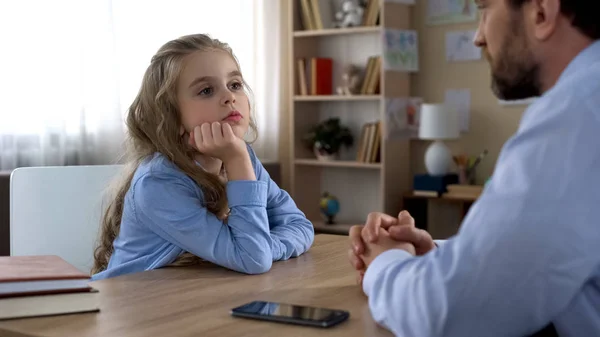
point(573, 107)
point(553, 163)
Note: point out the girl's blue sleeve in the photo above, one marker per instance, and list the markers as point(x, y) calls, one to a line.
point(291, 232)
point(172, 208)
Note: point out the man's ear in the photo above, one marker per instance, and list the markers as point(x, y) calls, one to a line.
point(545, 15)
point(181, 130)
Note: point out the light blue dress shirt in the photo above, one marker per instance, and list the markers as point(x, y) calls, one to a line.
point(163, 217)
point(528, 252)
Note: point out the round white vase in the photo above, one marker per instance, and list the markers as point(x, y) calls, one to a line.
point(437, 158)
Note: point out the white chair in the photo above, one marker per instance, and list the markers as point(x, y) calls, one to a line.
point(57, 211)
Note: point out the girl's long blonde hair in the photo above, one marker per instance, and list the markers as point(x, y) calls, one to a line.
point(153, 123)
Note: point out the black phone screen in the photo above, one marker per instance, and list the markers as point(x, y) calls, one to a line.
point(290, 313)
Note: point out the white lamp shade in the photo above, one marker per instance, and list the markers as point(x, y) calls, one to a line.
point(438, 122)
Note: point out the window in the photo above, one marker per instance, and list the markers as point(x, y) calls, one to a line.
point(69, 69)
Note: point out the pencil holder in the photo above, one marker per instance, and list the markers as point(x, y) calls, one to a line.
point(466, 176)
point(462, 175)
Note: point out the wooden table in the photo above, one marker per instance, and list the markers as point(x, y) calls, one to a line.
point(336, 229)
point(196, 301)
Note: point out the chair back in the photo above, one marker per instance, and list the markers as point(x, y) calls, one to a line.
point(57, 211)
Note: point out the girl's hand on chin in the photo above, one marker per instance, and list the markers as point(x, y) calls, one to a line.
point(218, 140)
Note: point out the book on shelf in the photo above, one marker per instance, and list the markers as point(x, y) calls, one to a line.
point(369, 144)
point(43, 285)
point(320, 14)
point(371, 13)
point(316, 14)
point(372, 76)
point(302, 77)
point(315, 76)
point(306, 15)
point(321, 80)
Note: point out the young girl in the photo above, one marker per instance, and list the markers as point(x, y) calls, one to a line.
point(195, 190)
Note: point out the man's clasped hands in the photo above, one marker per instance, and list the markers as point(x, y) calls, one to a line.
point(383, 232)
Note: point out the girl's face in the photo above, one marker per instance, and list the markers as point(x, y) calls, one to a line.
point(210, 89)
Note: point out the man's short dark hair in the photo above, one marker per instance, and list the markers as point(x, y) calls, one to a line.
point(584, 14)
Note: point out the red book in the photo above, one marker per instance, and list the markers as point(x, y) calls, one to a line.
point(321, 76)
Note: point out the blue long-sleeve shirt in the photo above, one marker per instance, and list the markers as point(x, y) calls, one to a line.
point(528, 252)
point(163, 217)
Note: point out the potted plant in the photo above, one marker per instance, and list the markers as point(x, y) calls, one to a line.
point(327, 138)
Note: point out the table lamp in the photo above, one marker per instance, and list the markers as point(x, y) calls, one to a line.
point(438, 122)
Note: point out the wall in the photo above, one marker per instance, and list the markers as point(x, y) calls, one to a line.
point(491, 124)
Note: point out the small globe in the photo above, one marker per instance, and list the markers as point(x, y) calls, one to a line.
point(329, 207)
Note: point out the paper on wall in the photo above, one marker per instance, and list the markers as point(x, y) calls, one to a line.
point(402, 117)
point(450, 11)
point(461, 100)
point(401, 51)
point(460, 46)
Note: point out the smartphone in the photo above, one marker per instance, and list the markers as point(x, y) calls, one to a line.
point(291, 313)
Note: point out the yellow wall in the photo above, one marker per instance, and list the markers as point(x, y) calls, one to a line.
point(491, 124)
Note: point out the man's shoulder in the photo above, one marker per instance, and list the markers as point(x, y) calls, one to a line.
point(582, 86)
point(589, 89)
point(580, 80)
point(573, 99)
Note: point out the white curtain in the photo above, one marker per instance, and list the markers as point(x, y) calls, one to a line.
point(70, 68)
point(268, 83)
point(58, 88)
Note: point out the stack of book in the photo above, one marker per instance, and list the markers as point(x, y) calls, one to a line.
point(369, 144)
point(315, 76)
point(464, 191)
point(33, 286)
point(372, 76)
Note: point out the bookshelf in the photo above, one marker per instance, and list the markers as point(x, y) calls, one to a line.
point(314, 98)
point(337, 31)
point(337, 163)
point(360, 186)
